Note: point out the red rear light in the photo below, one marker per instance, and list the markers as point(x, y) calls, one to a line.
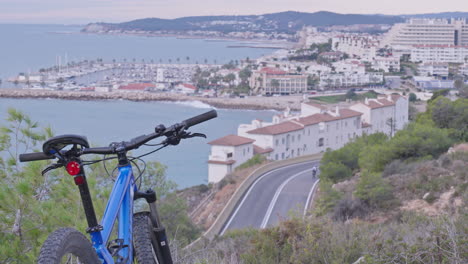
point(79, 180)
point(73, 168)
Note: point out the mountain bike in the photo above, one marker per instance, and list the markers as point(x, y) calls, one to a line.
point(140, 236)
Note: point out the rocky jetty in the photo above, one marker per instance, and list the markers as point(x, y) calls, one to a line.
point(252, 103)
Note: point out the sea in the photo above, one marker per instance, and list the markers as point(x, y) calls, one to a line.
point(27, 48)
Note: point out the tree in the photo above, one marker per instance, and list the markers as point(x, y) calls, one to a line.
point(373, 190)
point(412, 97)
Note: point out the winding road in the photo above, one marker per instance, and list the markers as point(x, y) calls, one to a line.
point(273, 197)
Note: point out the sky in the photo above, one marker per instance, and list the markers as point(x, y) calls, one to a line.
point(86, 11)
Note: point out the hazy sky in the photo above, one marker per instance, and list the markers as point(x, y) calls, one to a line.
point(84, 11)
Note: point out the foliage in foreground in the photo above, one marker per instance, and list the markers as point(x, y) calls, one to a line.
point(410, 238)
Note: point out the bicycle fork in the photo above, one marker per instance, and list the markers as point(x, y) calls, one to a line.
point(164, 252)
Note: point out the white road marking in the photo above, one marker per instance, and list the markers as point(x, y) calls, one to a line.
point(248, 192)
point(275, 198)
point(309, 196)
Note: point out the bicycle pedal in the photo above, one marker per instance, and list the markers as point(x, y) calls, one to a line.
point(115, 245)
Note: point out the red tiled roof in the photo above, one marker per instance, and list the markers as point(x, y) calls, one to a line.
point(136, 86)
point(317, 105)
point(260, 150)
point(383, 103)
point(229, 162)
point(269, 70)
point(186, 85)
point(317, 118)
point(87, 89)
point(231, 140)
point(277, 129)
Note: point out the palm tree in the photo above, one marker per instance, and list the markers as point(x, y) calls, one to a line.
point(187, 58)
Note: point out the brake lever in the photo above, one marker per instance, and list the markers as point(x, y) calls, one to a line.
point(191, 135)
point(52, 167)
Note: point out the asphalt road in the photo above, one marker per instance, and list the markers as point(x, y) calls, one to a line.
point(273, 197)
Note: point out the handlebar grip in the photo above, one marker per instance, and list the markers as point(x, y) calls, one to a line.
point(99, 150)
point(34, 156)
point(200, 118)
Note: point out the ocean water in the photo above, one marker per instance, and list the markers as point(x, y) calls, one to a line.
point(27, 48)
point(103, 122)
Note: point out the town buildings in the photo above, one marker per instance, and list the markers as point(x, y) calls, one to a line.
point(423, 31)
point(386, 64)
point(314, 130)
point(362, 46)
point(439, 53)
point(330, 81)
point(269, 81)
point(434, 69)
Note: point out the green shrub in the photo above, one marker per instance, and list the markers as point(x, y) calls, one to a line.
point(256, 159)
point(335, 172)
point(328, 198)
point(373, 190)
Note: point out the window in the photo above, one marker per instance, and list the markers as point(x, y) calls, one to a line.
point(229, 155)
point(276, 156)
point(244, 152)
point(282, 141)
point(299, 138)
point(276, 142)
point(320, 142)
point(292, 153)
point(282, 155)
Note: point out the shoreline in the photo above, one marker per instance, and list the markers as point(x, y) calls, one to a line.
point(250, 103)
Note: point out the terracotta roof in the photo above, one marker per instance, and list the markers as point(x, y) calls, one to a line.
point(231, 140)
point(317, 118)
point(277, 129)
point(136, 86)
point(364, 125)
point(269, 70)
point(317, 105)
point(229, 162)
point(186, 85)
point(260, 150)
point(381, 103)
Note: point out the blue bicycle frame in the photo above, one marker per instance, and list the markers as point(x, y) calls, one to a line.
point(120, 205)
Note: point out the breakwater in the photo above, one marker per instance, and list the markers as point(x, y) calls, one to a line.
point(251, 103)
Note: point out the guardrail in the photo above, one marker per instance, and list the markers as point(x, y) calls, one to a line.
point(216, 227)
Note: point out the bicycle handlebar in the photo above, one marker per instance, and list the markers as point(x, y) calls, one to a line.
point(133, 143)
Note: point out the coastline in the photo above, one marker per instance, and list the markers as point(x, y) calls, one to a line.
point(249, 103)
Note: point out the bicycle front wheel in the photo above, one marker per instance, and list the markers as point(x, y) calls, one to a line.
point(67, 245)
point(144, 240)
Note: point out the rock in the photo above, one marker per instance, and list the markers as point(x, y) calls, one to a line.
point(426, 195)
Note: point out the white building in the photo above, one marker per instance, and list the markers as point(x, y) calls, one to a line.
point(227, 153)
point(385, 115)
point(276, 81)
point(463, 69)
point(337, 80)
point(316, 129)
point(387, 64)
point(434, 68)
point(160, 75)
point(357, 45)
point(349, 66)
point(422, 31)
point(439, 53)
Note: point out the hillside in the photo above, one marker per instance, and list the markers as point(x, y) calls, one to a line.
point(283, 22)
point(439, 15)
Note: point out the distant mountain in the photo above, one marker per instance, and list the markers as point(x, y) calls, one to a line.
point(283, 22)
point(439, 15)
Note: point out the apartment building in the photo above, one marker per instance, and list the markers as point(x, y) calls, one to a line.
point(439, 53)
point(386, 64)
point(361, 46)
point(463, 69)
point(434, 69)
point(269, 81)
point(349, 79)
point(314, 130)
point(423, 31)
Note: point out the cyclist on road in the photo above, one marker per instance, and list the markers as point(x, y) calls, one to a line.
point(314, 171)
